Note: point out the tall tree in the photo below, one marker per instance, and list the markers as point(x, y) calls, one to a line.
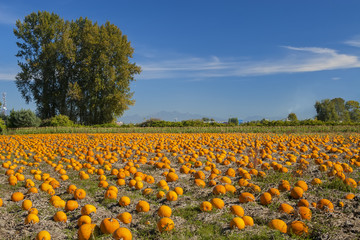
point(353, 108)
point(78, 68)
point(292, 117)
point(341, 111)
point(326, 111)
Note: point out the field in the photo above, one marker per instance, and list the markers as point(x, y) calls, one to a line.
point(216, 185)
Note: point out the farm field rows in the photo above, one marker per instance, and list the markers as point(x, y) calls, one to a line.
point(180, 186)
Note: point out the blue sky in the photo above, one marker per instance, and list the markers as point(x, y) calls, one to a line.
point(218, 58)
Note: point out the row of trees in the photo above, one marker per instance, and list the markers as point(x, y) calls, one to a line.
point(337, 110)
point(75, 68)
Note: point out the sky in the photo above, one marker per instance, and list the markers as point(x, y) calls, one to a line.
point(218, 59)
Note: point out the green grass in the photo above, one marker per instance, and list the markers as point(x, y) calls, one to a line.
point(209, 129)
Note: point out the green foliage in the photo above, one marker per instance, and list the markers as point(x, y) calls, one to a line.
point(233, 121)
point(292, 117)
point(58, 121)
point(354, 110)
point(74, 68)
point(23, 118)
point(2, 125)
point(337, 110)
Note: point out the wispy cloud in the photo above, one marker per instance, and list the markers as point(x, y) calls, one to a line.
point(298, 59)
point(7, 77)
point(355, 41)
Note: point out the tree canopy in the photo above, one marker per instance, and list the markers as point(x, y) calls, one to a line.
point(337, 110)
point(75, 68)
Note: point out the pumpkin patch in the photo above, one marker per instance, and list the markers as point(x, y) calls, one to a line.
point(124, 186)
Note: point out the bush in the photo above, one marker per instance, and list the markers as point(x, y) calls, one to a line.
point(61, 121)
point(23, 118)
point(2, 125)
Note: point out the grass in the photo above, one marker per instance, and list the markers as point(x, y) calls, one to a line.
point(209, 129)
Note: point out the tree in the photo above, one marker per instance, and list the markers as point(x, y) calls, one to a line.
point(292, 117)
point(233, 121)
point(341, 111)
point(75, 68)
point(326, 111)
point(23, 118)
point(353, 108)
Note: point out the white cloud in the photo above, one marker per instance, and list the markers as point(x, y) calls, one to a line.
point(355, 41)
point(7, 77)
point(299, 59)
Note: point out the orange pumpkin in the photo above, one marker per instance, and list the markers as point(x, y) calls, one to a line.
point(165, 224)
point(109, 225)
point(122, 233)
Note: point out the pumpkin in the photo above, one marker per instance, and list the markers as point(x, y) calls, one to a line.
point(142, 206)
point(305, 213)
point(171, 196)
point(171, 177)
point(26, 204)
point(71, 205)
point(316, 181)
point(217, 203)
point(43, 235)
point(206, 206)
point(249, 221)
point(79, 194)
point(33, 190)
point(60, 217)
point(1, 202)
point(286, 208)
point(84, 219)
point(219, 190)
point(325, 204)
point(303, 203)
point(265, 198)
point(274, 192)
point(88, 209)
point(122, 233)
point(302, 184)
point(296, 192)
point(33, 211)
point(349, 196)
point(164, 211)
point(109, 225)
point(278, 224)
point(125, 217)
point(284, 186)
point(17, 196)
point(298, 228)
point(237, 222)
point(237, 210)
point(86, 231)
point(160, 194)
point(246, 197)
point(31, 218)
point(110, 194)
point(124, 201)
point(165, 224)
point(179, 191)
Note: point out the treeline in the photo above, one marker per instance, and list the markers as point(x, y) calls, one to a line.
point(337, 110)
point(334, 112)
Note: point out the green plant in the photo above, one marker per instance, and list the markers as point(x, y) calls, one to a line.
point(23, 118)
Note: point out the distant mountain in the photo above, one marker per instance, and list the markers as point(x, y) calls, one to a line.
point(165, 115)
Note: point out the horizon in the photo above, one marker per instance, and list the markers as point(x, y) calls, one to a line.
point(218, 60)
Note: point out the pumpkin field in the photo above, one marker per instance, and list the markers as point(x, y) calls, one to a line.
point(180, 186)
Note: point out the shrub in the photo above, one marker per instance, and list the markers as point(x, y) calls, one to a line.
point(2, 125)
point(23, 118)
point(61, 121)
